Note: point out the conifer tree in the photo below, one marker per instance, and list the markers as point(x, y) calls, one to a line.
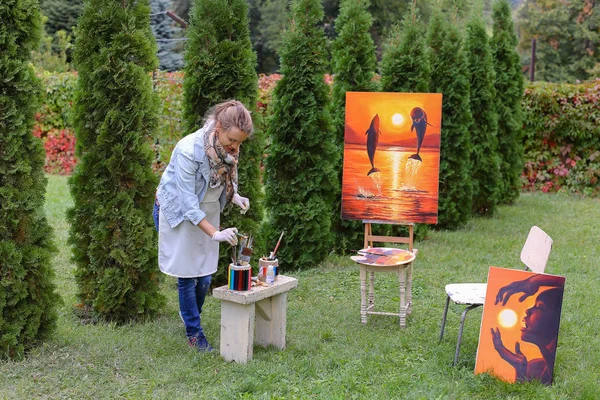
point(485, 170)
point(405, 68)
point(220, 65)
point(354, 64)
point(449, 77)
point(27, 294)
point(509, 94)
point(405, 63)
point(300, 168)
point(115, 112)
point(219, 61)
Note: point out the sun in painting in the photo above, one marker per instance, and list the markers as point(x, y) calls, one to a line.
point(397, 119)
point(507, 318)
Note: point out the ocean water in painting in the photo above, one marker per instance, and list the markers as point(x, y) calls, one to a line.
point(405, 189)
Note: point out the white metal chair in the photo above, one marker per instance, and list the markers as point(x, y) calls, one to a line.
point(534, 255)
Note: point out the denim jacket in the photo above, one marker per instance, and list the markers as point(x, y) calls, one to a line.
point(184, 183)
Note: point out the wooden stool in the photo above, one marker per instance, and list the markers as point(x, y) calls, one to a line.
point(262, 310)
point(385, 259)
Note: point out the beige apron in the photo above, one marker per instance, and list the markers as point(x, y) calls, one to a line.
point(186, 251)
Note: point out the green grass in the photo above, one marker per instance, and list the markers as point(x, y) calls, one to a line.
point(329, 353)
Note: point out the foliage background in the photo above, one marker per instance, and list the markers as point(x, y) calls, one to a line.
point(28, 296)
point(562, 137)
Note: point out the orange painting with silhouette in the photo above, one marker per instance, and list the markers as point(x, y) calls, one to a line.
point(519, 327)
point(392, 157)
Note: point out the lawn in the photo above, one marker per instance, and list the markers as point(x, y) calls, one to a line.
point(329, 353)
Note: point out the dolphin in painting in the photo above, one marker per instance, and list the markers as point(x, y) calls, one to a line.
point(419, 124)
point(372, 138)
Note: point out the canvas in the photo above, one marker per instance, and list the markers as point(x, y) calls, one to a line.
point(519, 327)
point(391, 157)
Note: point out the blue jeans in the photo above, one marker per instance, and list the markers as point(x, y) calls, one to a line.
point(192, 292)
point(155, 212)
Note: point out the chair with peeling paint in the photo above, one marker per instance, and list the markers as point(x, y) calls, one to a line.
point(472, 295)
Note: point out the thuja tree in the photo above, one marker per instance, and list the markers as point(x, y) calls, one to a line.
point(405, 67)
point(300, 168)
point(112, 232)
point(485, 169)
point(456, 190)
point(220, 65)
point(354, 64)
point(509, 94)
point(219, 61)
point(405, 63)
point(27, 293)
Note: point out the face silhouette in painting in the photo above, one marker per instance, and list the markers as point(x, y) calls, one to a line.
point(542, 320)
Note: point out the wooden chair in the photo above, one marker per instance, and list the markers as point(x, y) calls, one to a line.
point(402, 268)
point(534, 255)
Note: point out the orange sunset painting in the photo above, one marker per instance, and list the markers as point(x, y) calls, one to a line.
point(391, 157)
point(519, 326)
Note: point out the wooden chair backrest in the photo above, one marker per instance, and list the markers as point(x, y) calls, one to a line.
point(536, 250)
point(370, 238)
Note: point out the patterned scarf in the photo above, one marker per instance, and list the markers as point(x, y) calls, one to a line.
point(223, 166)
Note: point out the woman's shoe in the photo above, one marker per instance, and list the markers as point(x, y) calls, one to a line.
point(200, 343)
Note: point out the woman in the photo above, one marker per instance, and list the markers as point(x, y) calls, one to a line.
point(199, 180)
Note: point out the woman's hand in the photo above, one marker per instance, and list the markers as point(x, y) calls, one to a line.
point(226, 235)
point(241, 202)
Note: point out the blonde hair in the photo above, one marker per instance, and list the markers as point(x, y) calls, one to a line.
point(232, 114)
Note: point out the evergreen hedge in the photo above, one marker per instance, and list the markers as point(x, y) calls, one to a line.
point(354, 63)
point(301, 178)
point(405, 68)
point(485, 169)
point(219, 61)
point(509, 94)
point(405, 65)
point(27, 294)
point(112, 230)
point(220, 65)
point(562, 137)
point(447, 54)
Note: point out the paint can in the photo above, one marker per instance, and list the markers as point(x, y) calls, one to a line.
point(239, 277)
point(263, 265)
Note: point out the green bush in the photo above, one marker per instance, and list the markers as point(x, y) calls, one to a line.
point(485, 168)
point(405, 63)
point(562, 137)
point(300, 168)
point(509, 94)
point(447, 54)
point(219, 61)
point(115, 114)
point(27, 292)
point(354, 64)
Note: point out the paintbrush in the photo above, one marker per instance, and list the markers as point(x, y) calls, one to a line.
point(272, 255)
point(362, 252)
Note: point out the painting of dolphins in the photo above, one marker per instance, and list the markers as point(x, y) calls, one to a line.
point(397, 180)
point(419, 124)
point(372, 139)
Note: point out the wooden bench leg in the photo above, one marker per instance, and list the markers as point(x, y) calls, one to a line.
point(237, 331)
point(271, 320)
